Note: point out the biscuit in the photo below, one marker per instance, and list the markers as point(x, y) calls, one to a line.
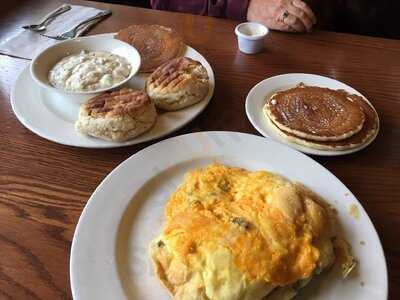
point(178, 83)
point(117, 116)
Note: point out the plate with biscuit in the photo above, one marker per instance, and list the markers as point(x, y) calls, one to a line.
point(112, 90)
point(313, 114)
point(225, 215)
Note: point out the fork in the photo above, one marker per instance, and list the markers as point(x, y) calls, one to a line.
point(42, 26)
point(74, 31)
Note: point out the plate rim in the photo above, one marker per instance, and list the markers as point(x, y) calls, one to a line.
point(303, 148)
point(59, 140)
point(114, 172)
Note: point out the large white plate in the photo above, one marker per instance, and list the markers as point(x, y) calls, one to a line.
point(43, 112)
point(109, 258)
point(260, 92)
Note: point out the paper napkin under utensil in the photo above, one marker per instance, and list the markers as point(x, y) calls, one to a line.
point(27, 44)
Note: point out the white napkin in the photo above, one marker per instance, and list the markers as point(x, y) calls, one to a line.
point(27, 44)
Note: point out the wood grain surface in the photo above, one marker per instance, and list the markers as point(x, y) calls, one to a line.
point(44, 186)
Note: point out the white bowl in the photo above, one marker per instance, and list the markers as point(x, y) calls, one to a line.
point(251, 36)
point(44, 61)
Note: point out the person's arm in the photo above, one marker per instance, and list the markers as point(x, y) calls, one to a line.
point(285, 15)
point(232, 9)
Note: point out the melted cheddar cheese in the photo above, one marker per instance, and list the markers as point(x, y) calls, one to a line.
point(260, 230)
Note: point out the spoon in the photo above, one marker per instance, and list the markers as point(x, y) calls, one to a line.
point(42, 26)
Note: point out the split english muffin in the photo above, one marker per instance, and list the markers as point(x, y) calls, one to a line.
point(178, 83)
point(117, 116)
point(156, 44)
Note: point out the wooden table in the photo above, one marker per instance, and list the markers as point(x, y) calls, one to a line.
point(44, 186)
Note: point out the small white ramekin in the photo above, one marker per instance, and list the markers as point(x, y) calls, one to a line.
point(250, 37)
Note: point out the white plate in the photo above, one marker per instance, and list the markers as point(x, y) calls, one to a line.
point(109, 258)
point(257, 96)
point(44, 112)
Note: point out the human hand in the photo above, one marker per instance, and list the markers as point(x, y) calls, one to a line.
point(283, 15)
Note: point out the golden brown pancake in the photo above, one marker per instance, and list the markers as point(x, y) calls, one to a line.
point(367, 132)
point(315, 113)
point(156, 44)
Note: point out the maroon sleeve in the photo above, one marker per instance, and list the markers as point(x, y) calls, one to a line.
point(232, 9)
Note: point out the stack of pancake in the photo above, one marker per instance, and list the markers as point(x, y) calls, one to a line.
point(322, 118)
point(176, 82)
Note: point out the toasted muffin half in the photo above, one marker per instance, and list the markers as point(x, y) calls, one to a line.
point(117, 116)
point(179, 83)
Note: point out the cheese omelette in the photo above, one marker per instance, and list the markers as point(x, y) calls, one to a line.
point(234, 234)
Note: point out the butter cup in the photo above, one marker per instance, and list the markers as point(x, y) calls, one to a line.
point(250, 36)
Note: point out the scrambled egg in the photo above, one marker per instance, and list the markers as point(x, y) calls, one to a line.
point(234, 234)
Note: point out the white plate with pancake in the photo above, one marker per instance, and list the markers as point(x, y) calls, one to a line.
point(262, 91)
point(43, 112)
point(109, 255)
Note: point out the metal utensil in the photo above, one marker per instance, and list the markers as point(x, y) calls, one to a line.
point(74, 31)
point(42, 26)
